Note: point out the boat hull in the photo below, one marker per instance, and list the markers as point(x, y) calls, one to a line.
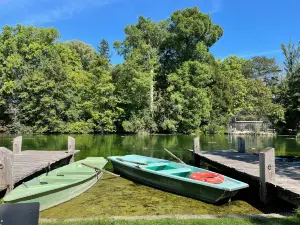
point(59, 185)
point(52, 198)
point(196, 191)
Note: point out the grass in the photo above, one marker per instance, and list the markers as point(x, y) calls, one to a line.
point(227, 221)
point(121, 197)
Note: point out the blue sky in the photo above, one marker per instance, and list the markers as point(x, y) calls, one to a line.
point(251, 27)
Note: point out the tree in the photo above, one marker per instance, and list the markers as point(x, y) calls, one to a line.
point(191, 34)
point(103, 49)
point(101, 105)
point(45, 94)
point(188, 102)
point(22, 50)
point(86, 52)
point(47, 86)
point(291, 91)
point(262, 68)
point(141, 51)
point(228, 92)
point(133, 86)
point(235, 94)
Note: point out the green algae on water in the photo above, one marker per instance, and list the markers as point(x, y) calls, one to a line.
point(122, 197)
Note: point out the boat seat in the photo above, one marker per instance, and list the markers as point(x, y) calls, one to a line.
point(55, 179)
point(158, 164)
point(179, 170)
point(66, 173)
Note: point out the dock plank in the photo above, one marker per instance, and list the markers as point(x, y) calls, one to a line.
point(30, 162)
point(287, 176)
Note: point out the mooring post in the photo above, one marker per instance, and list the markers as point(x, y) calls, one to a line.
point(6, 169)
point(241, 145)
point(17, 145)
point(196, 146)
point(196, 149)
point(71, 147)
point(266, 171)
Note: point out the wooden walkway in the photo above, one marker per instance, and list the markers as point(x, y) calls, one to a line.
point(245, 167)
point(27, 164)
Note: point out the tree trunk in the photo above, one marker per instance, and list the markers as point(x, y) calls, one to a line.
point(151, 91)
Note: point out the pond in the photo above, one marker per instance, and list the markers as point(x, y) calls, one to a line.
point(152, 145)
point(122, 197)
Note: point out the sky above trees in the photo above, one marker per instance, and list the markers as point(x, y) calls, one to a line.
point(251, 27)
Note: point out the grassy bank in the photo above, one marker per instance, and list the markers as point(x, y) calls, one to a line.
point(121, 197)
point(227, 221)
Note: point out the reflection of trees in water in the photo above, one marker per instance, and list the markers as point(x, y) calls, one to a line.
point(151, 145)
point(259, 143)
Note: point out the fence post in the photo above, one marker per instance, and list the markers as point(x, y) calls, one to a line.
point(241, 145)
point(6, 169)
point(17, 145)
point(71, 147)
point(266, 171)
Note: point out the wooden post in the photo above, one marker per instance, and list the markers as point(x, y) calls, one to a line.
point(266, 171)
point(71, 147)
point(6, 169)
point(196, 146)
point(17, 145)
point(241, 145)
point(196, 149)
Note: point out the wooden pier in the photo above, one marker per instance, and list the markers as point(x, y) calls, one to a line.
point(18, 166)
point(260, 172)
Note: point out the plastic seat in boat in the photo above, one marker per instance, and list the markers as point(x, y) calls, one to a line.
point(158, 164)
point(66, 173)
point(179, 170)
point(56, 179)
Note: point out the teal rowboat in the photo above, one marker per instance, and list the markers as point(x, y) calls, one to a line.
point(175, 177)
point(59, 185)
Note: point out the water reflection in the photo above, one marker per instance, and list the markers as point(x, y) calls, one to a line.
point(152, 145)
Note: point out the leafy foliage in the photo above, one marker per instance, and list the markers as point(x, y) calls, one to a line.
point(169, 81)
point(47, 85)
point(290, 89)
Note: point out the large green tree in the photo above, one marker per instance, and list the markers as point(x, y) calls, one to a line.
point(191, 33)
point(86, 52)
point(290, 88)
point(188, 100)
point(263, 68)
point(140, 49)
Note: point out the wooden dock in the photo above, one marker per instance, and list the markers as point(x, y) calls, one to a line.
point(283, 182)
point(18, 166)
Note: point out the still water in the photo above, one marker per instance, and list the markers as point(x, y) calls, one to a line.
point(151, 145)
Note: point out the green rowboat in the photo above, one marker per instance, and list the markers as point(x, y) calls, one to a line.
point(59, 185)
point(175, 177)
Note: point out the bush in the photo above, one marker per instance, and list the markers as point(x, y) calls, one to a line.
point(17, 127)
point(297, 213)
point(142, 123)
point(79, 127)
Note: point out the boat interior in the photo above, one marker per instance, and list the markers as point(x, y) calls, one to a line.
point(168, 168)
point(62, 175)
